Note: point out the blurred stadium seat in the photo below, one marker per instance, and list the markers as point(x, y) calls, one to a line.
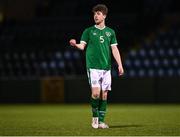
point(159, 58)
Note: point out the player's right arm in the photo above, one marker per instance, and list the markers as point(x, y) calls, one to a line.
point(80, 46)
point(84, 40)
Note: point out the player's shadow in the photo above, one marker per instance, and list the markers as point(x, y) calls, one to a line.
point(124, 126)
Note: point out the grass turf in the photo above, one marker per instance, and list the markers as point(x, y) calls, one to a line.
point(74, 120)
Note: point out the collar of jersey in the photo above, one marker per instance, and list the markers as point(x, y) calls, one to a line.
point(99, 28)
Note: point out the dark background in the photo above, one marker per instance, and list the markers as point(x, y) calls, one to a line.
point(38, 65)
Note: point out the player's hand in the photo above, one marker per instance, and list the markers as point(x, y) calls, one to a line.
point(121, 70)
point(72, 42)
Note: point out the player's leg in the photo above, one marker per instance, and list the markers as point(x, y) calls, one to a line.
point(94, 78)
point(95, 104)
point(95, 94)
point(106, 86)
point(102, 105)
point(102, 109)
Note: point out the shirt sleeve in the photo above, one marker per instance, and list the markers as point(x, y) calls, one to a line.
point(85, 37)
point(113, 39)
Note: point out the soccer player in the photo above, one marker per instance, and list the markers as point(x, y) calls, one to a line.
point(100, 41)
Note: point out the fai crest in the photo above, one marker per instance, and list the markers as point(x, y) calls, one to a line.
point(108, 34)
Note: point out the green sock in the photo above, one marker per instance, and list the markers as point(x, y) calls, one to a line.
point(102, 110)
point(94, 105)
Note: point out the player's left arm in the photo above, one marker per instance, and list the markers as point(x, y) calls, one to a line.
point(117, 57)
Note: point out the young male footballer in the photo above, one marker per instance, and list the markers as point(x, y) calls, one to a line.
point(100, 41)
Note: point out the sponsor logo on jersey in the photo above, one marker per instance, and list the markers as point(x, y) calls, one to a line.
point(94, 33)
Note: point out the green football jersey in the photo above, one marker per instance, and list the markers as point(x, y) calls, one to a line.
point(98, 42)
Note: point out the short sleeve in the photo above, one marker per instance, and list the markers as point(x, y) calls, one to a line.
point(85, 36)
point(113, 39)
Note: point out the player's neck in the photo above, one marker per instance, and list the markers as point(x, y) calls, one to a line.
point(101, 25)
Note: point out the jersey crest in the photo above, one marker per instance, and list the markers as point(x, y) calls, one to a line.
point(108, 34)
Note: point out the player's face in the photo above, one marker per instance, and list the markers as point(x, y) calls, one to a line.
point(99, 17)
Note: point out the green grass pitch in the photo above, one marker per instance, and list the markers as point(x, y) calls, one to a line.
point(75, 120)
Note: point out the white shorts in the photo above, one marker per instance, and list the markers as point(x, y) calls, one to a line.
point(100, 78)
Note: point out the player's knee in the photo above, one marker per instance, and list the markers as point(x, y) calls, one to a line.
point(95, 92)
point(95, 95)
point(104, 95)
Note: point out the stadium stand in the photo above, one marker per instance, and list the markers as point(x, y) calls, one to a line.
point(39, 47)
point(157, 57)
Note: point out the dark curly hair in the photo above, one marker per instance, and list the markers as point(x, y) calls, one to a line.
point(100, 7)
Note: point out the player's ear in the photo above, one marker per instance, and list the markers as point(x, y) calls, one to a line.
point(104, 16)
